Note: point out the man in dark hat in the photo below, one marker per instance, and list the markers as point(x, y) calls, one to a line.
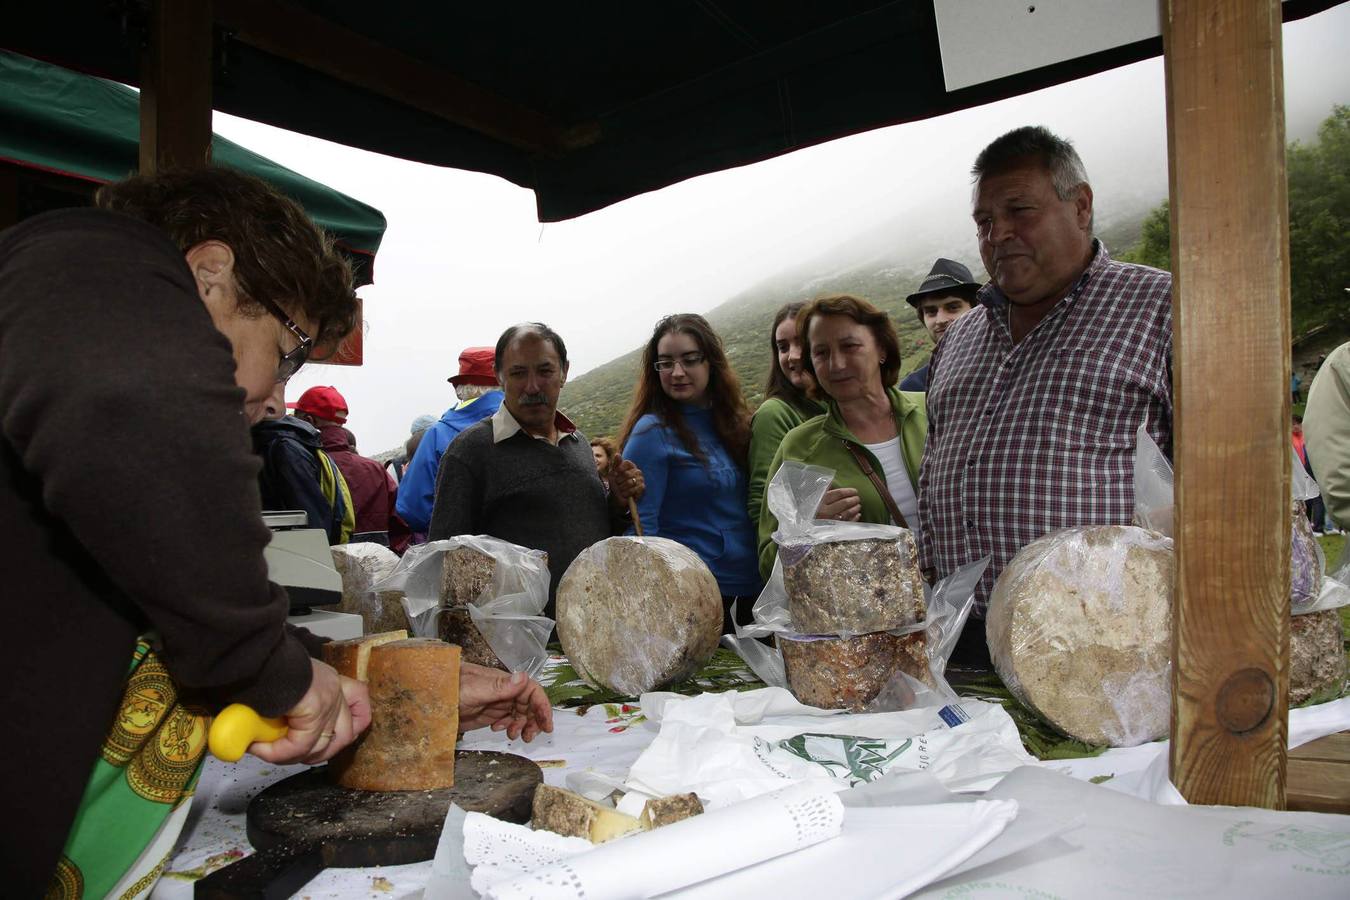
point(479, 397)
point(947, 294)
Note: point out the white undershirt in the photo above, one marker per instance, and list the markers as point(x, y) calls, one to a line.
point(897, 480)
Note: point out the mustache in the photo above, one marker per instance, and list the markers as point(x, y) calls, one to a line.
point(533, 400)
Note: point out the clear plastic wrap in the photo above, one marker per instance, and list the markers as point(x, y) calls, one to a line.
point(1079, 627)
point(506, 613)
point(362, 567)
point(1153, 511)
point(884, 671)
point(637, 613)
point(837, 578)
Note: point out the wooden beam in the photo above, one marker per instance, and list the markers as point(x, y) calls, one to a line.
point(176, 86)
point(1230, 259)
point(310, 40)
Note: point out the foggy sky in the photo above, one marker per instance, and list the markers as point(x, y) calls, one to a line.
point(464, 255)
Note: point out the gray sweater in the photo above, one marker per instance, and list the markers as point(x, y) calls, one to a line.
point(525, 491)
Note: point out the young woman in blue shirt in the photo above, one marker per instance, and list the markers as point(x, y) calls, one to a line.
point(688, 430)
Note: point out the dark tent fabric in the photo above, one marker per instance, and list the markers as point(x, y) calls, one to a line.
point(59, 121)
point(585, 103)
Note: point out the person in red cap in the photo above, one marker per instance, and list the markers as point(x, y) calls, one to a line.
point(479, 397)
point(373, 490)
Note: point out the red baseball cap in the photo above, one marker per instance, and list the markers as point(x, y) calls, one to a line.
point(476, 366)
point(323, 403)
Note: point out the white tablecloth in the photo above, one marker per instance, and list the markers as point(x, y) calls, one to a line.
point(607, 739)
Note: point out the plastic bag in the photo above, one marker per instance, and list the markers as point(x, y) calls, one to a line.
point(1079, 627)
point(868, 581)
point(867, 671)
point(506, 613)
point(1153, 492)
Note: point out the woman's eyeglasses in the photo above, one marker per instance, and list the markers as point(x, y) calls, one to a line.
point(290, 362)
point(686, 360)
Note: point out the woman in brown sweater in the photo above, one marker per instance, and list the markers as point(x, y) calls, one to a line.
point(137, 343)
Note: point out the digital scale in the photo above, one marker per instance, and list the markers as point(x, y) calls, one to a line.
point(299, 559)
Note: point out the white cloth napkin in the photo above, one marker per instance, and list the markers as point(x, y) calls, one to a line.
point(650, 863)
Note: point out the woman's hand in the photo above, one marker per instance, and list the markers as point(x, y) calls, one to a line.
point(333, 712)
point(514, 703)
point(842, 504)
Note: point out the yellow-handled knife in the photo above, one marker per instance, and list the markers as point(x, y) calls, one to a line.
point(236, 727)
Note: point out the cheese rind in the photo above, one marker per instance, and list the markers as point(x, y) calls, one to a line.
point(566, 813)
point(362, 566)
point(660, 811)
point(352, 656)
point(456, 627)
point(849, 672)
point(1316, 657)
point(635, 614)
point(414, 702)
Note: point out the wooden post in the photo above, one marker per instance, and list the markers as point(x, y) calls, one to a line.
point(176, 85)
point(1230, 258)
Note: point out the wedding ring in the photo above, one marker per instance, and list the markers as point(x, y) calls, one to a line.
point(327, 734)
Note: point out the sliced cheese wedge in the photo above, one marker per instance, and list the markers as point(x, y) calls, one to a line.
point(566, 813)
point(660, 811)
point(352, 656)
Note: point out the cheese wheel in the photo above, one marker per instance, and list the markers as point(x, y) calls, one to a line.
point(1080, 629)
point(414, 703)
point(456, 627)
point(849, 672)
point(635, 614)
point(352, 656)
point(1316, 657)
point(361, 567)
point(465, 574)
point(853, 587)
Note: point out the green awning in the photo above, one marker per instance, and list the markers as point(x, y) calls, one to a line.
point(56, 120)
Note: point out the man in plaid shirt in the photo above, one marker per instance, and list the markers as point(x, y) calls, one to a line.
point(1035, 396)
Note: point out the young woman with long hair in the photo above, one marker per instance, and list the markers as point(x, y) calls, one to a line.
point(786, 405)
point(688, 430)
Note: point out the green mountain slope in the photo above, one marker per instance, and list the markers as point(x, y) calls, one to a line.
point(598, 400)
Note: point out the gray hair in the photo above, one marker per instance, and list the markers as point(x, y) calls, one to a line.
point(1053, 152)
point(472, 391)
point(538, 328)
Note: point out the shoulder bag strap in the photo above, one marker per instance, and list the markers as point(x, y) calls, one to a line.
point(886, 498)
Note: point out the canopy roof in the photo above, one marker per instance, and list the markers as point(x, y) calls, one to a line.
point(59, 121)
point(591, 103)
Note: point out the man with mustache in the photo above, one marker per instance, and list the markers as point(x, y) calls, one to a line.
point(947, 294)
point(526, 474)
point(1035, 397)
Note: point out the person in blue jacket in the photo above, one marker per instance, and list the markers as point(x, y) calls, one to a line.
point(480, 396)
point(688, 430)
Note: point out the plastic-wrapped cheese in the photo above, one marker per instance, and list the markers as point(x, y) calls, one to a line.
point(414, 703)
point(635, 614)
point(457, 627)
point(465, 573)
point(853, 587)
point(361, 566)
point(1316, 656)
point(1079, 628)
point(849, 672)
point(1307, 565)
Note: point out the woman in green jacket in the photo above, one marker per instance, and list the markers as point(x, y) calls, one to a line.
point(786, 402)
point(852, 351)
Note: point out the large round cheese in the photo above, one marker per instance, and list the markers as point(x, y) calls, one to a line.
point(849, 672)
point(635, 614)
point(361, 567)
point(853, 587)
point(1080, 627)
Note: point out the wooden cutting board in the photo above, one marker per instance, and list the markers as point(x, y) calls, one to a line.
point(305, 823)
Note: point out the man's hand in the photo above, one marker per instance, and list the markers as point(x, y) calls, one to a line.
point(843, 504)
point(514, 703)
point(333, 712)
point(625, 481)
